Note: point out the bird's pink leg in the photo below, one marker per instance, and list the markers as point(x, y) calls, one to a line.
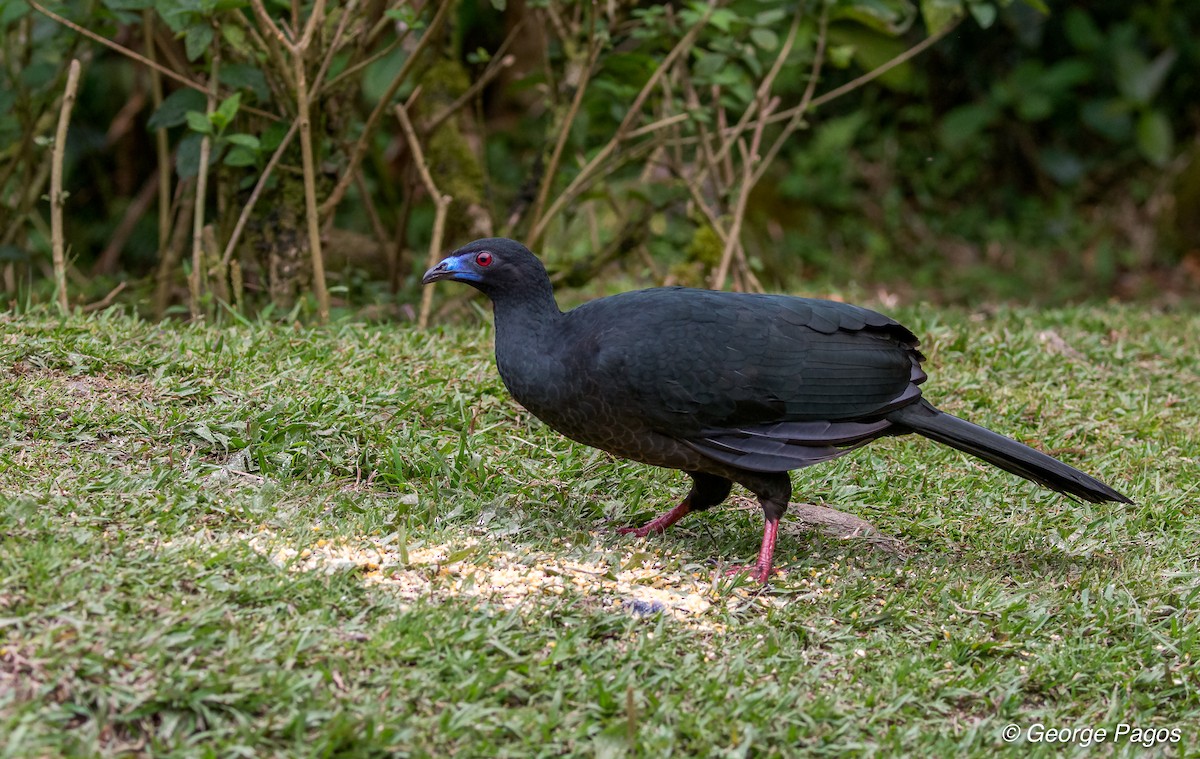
point(660, 523)
point(761, 570)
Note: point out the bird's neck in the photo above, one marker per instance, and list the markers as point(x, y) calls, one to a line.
point(528, 341)
point(527, 316)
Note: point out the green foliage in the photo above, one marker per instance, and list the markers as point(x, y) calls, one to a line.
point(975, 168)
point(1106, 82)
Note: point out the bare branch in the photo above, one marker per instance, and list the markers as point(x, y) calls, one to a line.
point(564, 131)
point(136, 56)
point(161, 145)
point(107, 300)
point(585, 175)
point(473, 91)
point(58, 246)
point(874, 73)
point(441, 204)
point(308, 160)
point(196, 280)
point(368, 131)
point(248, 208)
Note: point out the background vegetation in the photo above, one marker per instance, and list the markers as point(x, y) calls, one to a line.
point(1029, 152)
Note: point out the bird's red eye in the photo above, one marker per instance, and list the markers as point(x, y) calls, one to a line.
point(483, 258)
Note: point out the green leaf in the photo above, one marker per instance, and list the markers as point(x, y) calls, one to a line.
point(199, 123)
point(840, 56)
point(964, 124)
point(174, 109)
point(1081, 31)
point(872, 49)
point(1034, 106)
point(198, 38)
point(227, 111)
point(38, 74)
point(406, 17)
point(1139, 79)
point(187, 156)
point(984, 14)
point(1155, 141)
point(723, 19)
point(892, 17)
point(1110, 118)
point(709, 64)
point(770, 17)
point(764, 39)
point(243, 76)
point(939, 14)
point(244, 140)
point(235, 37)
point(127, 11)
point(12, 11)
point(1063, 166)
point(273, 135)
point(240, 156)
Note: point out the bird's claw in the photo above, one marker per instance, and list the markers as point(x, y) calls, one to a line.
point(756, 572)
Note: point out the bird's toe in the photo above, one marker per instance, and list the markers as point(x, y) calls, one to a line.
point(756, 572)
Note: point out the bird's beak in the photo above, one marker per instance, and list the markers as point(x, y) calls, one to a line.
point(444, 270)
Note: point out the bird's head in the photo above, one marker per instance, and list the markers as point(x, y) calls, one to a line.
point(496, 266)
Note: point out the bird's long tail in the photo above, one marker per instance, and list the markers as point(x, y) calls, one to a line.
point(923, 418)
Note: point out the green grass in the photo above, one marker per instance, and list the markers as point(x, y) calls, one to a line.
point(262, 540)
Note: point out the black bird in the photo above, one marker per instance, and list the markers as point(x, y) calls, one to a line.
point(728, 387)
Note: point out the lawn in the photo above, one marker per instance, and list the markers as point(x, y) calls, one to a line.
point(259, 540)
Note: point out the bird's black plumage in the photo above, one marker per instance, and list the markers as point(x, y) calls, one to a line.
point(728, 387)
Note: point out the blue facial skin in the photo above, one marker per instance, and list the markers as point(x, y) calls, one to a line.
point(458, 268)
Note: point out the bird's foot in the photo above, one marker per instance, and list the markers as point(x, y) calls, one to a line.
point(756, 571)
point(762, 569)
point(660, 523)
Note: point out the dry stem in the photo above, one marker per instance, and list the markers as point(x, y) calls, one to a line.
point(58, 246)
point(441, 204)
point(309, 164)
point(135, 56)
point(196, 280)
point(368, 132)
point(585, 175)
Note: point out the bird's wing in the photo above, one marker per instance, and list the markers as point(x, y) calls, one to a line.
point(761, 382)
